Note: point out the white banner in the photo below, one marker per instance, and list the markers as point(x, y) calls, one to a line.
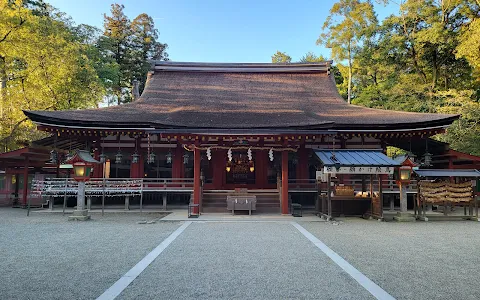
point(359, 170)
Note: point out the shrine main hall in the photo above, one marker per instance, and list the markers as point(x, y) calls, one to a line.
point(257, 127)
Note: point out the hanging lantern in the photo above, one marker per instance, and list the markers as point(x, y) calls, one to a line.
point(135, 158)
point(118, 157)
point(427, 159)
point(228, 167)
point(168, 157)
point(53, 157)
point(252, 166)
point(151, 158)
point(186, 157)
point(103, 158)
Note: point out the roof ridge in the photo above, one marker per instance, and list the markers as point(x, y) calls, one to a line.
point(317, 67)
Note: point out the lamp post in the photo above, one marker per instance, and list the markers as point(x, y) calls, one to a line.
point(402, 177)
point(83, 164)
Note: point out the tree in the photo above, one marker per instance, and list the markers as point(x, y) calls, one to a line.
point(344, 30)
point(43, 67)
point(469, 41)
point(131, 44)
point(311, 57)
point(145, 47)
point(281, 57)
point(118, 32)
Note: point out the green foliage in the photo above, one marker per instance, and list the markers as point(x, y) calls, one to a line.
point(350, 22)
point(311, 57)
point(48, 63)
point(426, 58)
point(130, 45)
point(43, 66)
point(281, 57)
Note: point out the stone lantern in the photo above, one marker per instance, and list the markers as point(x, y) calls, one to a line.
point(83, 164)
point(402, 176)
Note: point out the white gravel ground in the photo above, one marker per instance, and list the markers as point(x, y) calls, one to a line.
point(45, 256)
point(432, 260)
point(243, 261)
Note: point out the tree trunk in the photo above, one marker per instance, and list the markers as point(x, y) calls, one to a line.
point(349, 98)
point(3, 84)
point(434, 71)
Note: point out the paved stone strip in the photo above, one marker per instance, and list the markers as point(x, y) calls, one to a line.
point(121, 284)
point(363, 280)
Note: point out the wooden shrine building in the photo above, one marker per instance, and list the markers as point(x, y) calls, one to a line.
point(225, 126)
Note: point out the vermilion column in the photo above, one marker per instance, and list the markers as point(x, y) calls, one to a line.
point(177, 162)
point(25, 182)
point(285, 182)
point(196, 178)
point(302, 166)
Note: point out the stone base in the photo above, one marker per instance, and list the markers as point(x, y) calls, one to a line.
point(404, 217)
point(79, 215)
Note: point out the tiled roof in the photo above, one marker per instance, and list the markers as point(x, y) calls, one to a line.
point(240, 96)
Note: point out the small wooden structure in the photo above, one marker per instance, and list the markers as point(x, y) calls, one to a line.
point(341, 198)
point(447, 188)
point(241, 200)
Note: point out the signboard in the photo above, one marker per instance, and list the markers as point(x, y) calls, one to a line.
point(359, 170)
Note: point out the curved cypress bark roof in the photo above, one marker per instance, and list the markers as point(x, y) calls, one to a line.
point(240, 96)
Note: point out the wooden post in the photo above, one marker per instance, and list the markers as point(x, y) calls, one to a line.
point(285, 182)
point(476, 207)
point(65, 196)
point(329, 196)
point(164, 201)
point(103, 190)
point(196, 179)
point(371, 195)
point(127, 202)
point(25, 182)
point(380, 194)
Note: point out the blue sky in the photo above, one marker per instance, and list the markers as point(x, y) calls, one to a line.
point(223, 31)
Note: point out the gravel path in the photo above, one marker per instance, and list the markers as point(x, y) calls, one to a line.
point(47, 257)
point(432, 260)
point(243, 261)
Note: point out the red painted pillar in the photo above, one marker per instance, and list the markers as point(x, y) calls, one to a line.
point(98, 168)
point(25, 182)
point(134, 169)
point(302, 167)
point(285, 182)
point(261, 168)
point(218, 168)
point(177, 162)
point(196, 178)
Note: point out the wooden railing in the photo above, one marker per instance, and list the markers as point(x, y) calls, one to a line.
point(388, 186)
point(110, 186)
point(302, 185)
